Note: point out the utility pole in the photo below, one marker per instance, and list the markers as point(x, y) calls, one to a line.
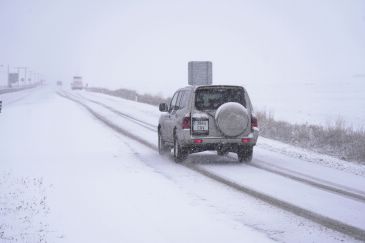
point(30, 77)
point(9, 84)
point(4, 72)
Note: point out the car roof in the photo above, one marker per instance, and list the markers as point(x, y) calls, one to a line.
point(195, 87)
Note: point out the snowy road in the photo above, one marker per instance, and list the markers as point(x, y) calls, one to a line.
point(101, 186)
point(346, 214)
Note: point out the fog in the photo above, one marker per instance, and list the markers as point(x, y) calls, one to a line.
point(82, 161)
point(145, 45)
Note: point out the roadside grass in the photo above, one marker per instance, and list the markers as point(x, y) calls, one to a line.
point(336, 140)
point(130, 95)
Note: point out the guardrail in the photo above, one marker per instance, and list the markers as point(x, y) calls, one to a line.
point(10, 90)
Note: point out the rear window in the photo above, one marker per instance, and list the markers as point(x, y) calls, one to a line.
point(212, 98)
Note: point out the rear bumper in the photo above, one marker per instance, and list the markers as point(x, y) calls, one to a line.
point(204, 143)
point(227, 147)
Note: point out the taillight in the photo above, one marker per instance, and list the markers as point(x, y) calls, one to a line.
point(186, 122)
point(254, 122)
point(246, 140)
point(198, 141)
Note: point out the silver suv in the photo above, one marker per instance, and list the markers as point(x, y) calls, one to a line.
point(212, 117)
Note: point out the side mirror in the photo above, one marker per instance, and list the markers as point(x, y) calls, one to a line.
point(163, 107)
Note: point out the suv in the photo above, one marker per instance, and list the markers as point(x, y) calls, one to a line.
point(210, 117)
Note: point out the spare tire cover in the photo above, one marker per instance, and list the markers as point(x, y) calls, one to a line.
point(232, 119)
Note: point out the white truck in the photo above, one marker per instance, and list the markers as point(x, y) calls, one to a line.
point(77, 83)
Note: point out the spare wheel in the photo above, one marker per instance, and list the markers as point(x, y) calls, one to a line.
point(232, 119)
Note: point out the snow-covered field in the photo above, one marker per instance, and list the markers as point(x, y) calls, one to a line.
point(314, 102)
point(66, 177)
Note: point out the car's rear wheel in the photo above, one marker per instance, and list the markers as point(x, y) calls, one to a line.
point(180, 154)
point(222, 152)
point(162, 148)
point(245, 154)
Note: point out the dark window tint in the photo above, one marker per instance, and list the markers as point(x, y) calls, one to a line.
point(212, 98)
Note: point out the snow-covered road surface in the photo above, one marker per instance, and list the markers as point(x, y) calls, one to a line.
point(104, 187)
point(99, 190)
point(269, 154)
point(281, 192)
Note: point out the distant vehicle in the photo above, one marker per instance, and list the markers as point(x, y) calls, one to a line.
point(77, 83)
point(208, 117)
point(59, 83)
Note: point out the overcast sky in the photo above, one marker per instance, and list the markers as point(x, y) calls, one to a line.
point(145, 45)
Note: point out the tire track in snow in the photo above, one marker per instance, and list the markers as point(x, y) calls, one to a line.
point(147, 125)
point(325, 185)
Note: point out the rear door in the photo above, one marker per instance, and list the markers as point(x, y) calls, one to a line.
point(208, 99)
point(180, 111)
point(169, 125)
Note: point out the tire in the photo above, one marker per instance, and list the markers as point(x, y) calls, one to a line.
point(232, 119)
point(162, 148)
point(180, 154)
point(245, 154)
point(222, 153)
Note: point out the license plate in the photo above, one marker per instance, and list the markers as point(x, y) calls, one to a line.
point(200, 125)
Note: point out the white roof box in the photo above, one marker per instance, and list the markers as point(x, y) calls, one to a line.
point(200, 73)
